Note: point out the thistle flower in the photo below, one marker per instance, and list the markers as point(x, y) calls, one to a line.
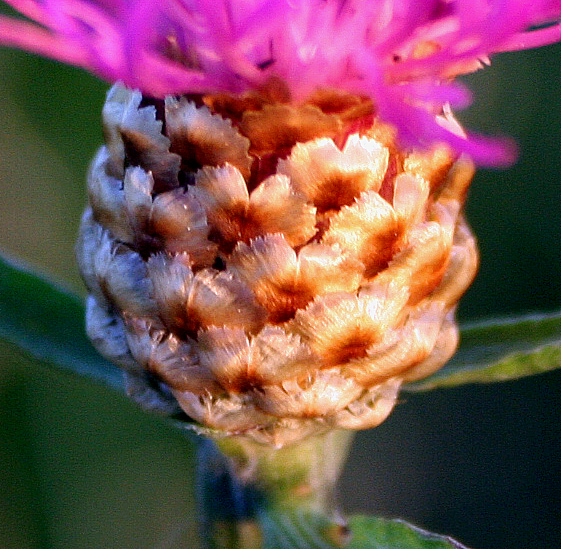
point(274, 240)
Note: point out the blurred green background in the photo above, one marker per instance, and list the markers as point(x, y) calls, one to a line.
point(80, 467)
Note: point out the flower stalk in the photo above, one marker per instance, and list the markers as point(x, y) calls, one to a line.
point(242, 483)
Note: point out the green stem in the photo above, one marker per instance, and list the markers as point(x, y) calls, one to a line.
point(240, 481)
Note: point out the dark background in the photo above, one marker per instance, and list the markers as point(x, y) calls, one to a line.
point(81, 467)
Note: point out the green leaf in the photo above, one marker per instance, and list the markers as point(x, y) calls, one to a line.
point(305, 531)
point(501, 350)
point(46, 322)
point(379, 533)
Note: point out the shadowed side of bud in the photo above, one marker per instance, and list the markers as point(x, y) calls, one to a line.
point(274, 269)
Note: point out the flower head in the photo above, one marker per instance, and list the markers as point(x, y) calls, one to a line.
point(268, 284)
point(403, 54)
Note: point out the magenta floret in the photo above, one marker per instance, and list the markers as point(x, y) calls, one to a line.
point(404, 54)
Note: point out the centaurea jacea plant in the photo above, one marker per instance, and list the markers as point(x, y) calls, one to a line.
point(274, 240)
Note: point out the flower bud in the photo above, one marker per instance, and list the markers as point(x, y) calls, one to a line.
point(277, 269)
